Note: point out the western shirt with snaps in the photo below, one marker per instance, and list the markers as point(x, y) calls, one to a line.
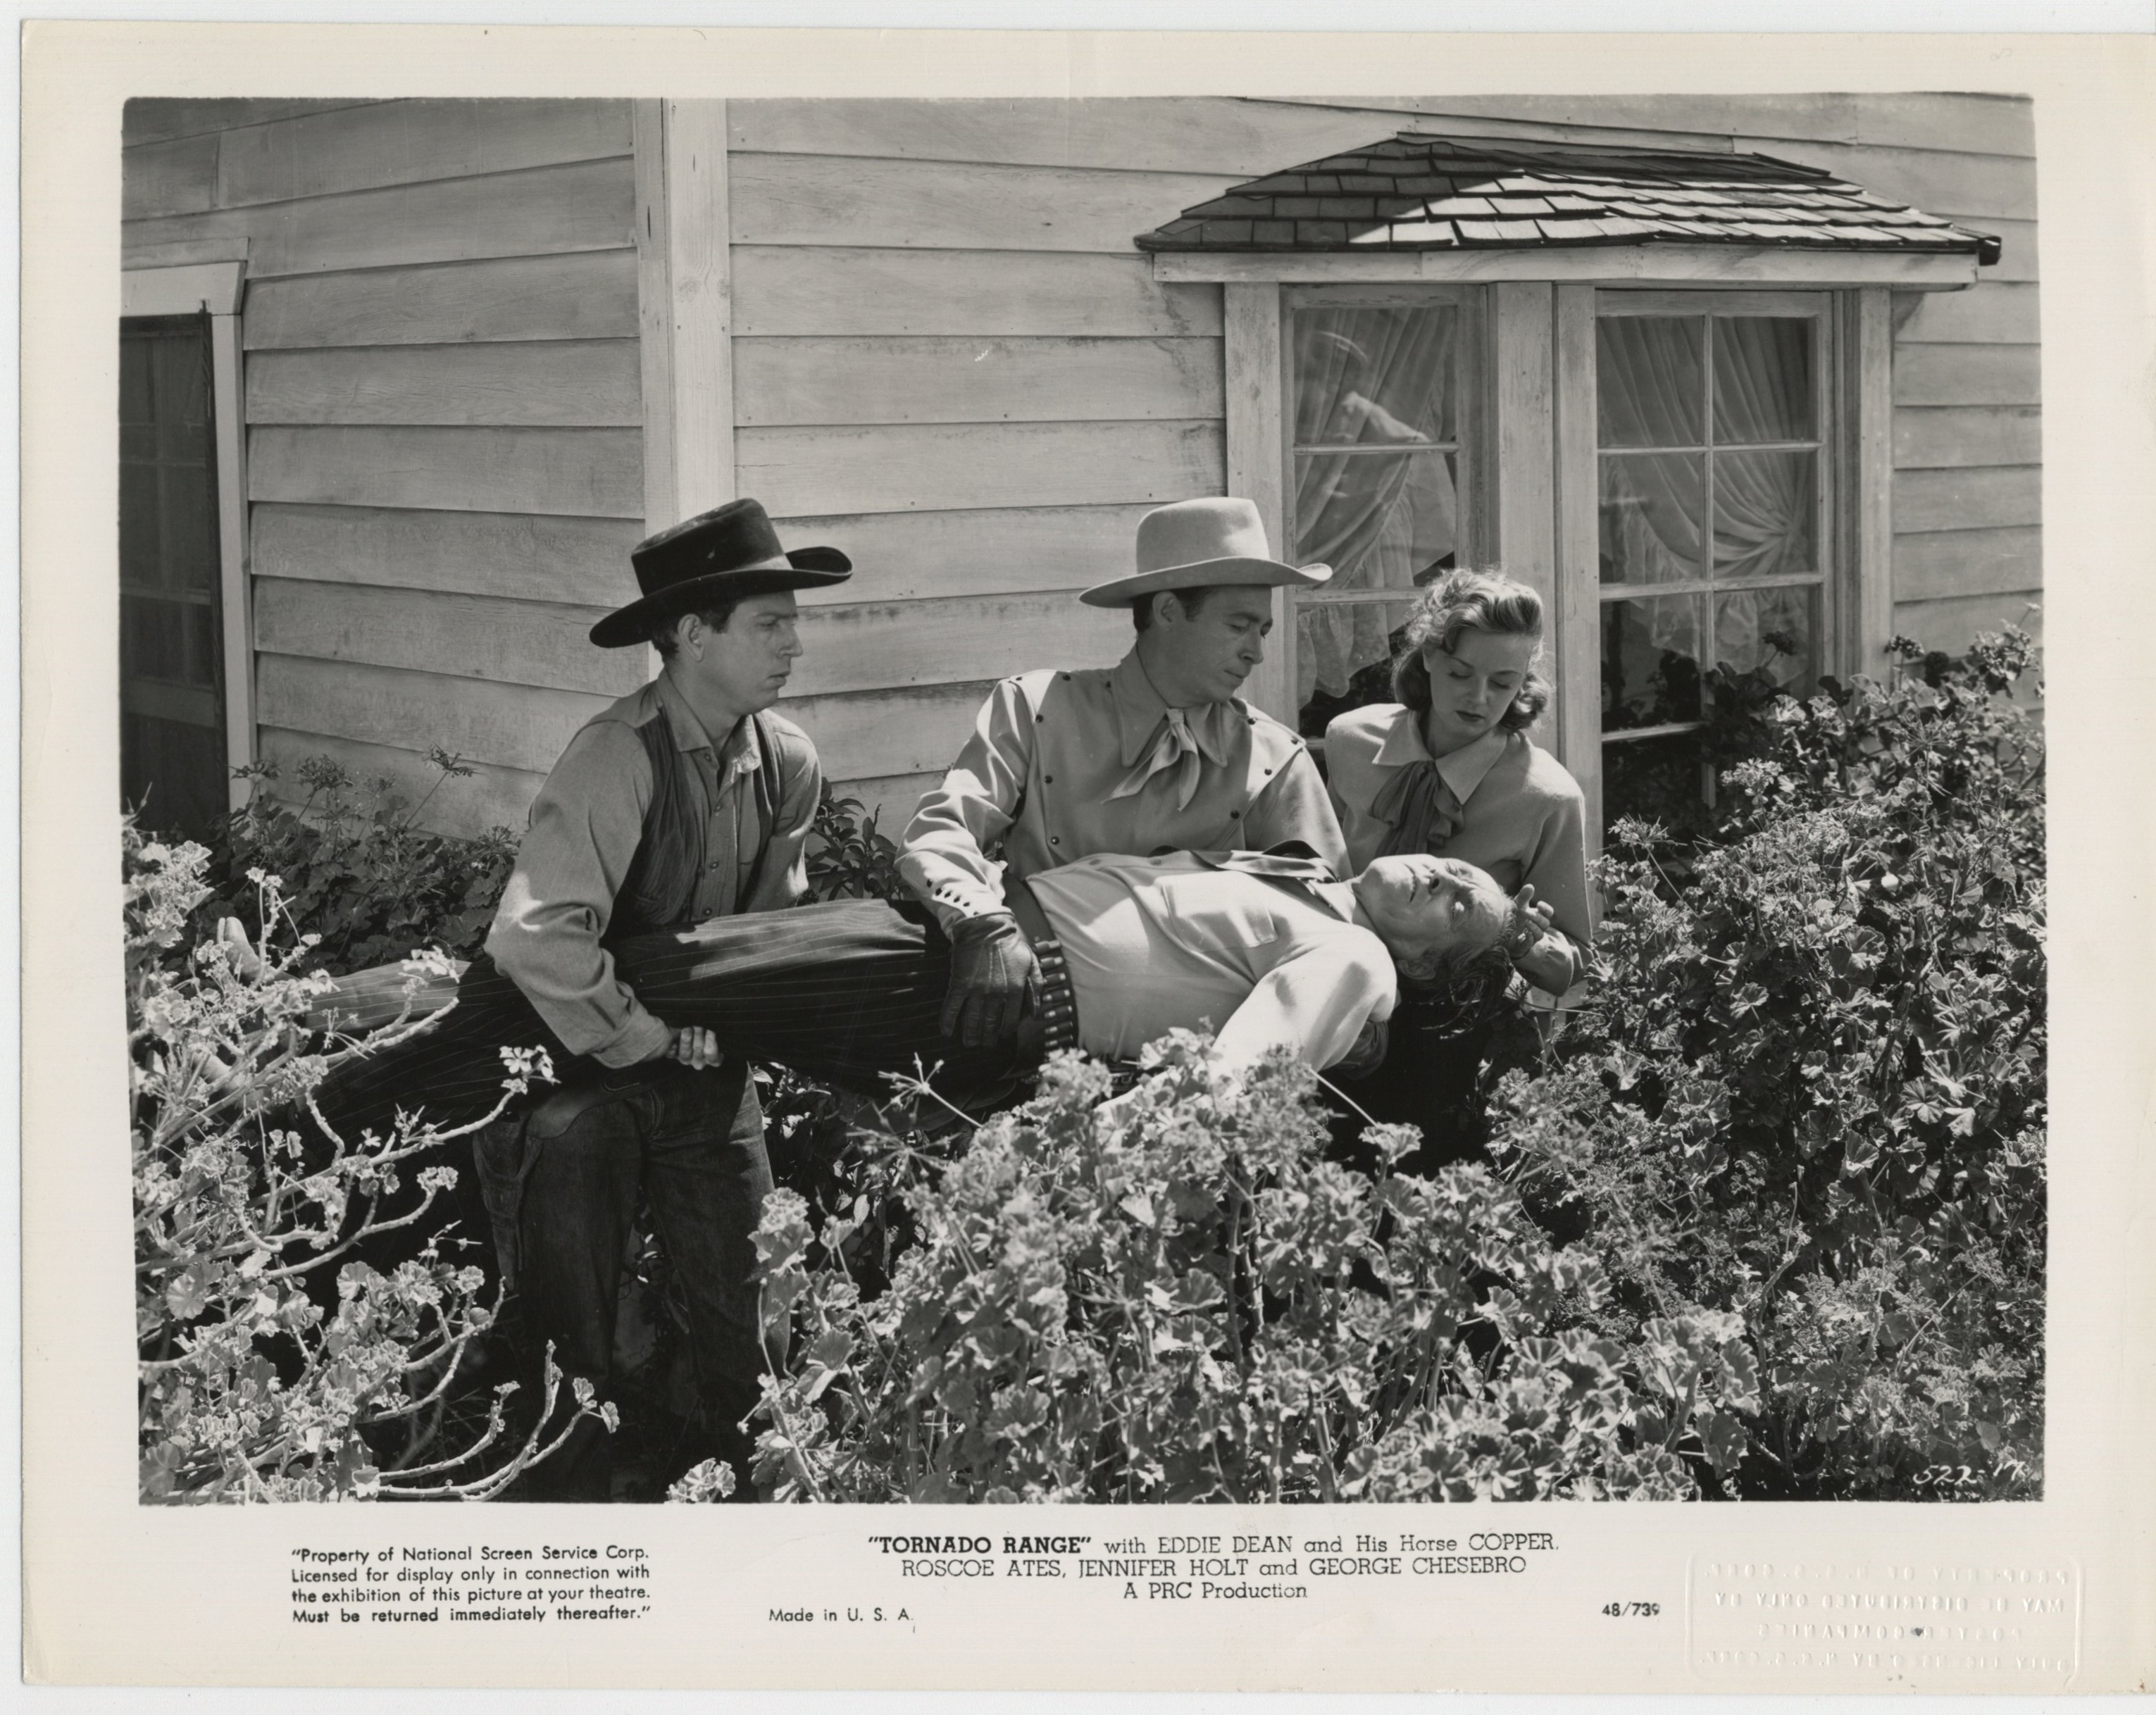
point(1064, 765)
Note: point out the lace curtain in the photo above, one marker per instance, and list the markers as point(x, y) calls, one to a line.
point(1369, 378)
point(1648, 378)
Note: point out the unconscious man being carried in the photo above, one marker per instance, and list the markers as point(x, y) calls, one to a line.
point(1264, 949)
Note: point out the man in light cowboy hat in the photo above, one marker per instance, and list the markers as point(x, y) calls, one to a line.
point(1155, 752)
point(685, 800)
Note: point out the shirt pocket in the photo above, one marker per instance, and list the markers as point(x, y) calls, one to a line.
point(1229, 924)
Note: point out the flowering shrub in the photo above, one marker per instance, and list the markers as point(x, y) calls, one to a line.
point(1807, 1086)
point(1179, 1299)
point(369, 882)
point(252, 1387)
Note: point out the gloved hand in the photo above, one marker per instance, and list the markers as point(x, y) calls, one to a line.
point(993, 974)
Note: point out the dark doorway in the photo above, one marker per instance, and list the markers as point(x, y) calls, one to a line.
point(172, 680)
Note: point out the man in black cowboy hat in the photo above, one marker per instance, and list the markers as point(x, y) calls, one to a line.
point(684, 801)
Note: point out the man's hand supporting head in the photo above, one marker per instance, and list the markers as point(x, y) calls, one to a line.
point(993, 977)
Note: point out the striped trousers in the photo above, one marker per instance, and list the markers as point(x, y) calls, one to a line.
point(841, 993)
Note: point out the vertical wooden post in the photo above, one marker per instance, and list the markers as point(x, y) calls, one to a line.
point(1576, 639)
point(684, 298)
point(1526, 435)
point(685, 310)
point(654, 306)
point(1257, 461)
point(235, 591)
point(1867, 583)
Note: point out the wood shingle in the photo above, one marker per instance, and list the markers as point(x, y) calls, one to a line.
point(1418, 192)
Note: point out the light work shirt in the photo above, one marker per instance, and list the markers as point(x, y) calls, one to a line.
point(1524, 821)
point(585, 827)
point(1153, 944)
point(1048, 751)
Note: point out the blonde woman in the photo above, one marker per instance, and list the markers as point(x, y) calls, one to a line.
point(1449, 769)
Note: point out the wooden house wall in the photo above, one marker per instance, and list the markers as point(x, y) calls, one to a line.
point(444, 430)
point(948, 360)
point(1968, 521)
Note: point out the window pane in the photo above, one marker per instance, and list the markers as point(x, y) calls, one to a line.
point(1766, 514)
point(1662, 779)
point(1651, 509)
point(1651, 661)
point(189, 529)
point(1650, 383)
point(152, 639)
point(1343, 656)
point(141, 563)
point(1774, 631)
point(1386, 521)
point(1374, 377)
point(1763, 379)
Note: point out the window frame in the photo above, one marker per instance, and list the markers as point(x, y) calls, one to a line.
point(216, 288)
point(1827, 575)
point(1855, 383)
point(1475, 466)
point(1537, 498)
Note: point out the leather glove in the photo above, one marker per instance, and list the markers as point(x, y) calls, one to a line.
point(993, 974)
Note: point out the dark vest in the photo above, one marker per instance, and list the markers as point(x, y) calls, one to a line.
point(660, 890)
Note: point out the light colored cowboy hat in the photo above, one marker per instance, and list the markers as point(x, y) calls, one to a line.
point(1202, 545)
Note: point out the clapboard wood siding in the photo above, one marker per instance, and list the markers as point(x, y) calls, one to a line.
point(973, 380)
point(1934, 564)
point(1991, 313)
point(1927, 437)
point(586, 473)
point(486, 799)
point(175, 178)
point(442, 386)
point(916, 731)
point(512, 725)
point(512, 554)
point(1981, 498)
point(1981, 125)
point(843, 290)
point(561, 383)
point(587, 296)
point(588, 206)
point(987, 551)
point(1967, 375)
point(541, 643)
point(821, 199)
point(412, 142)
point(159, 119)
point(884, 645)
point(1178, 134)
point(858, 647)
point(899, 467)
point(369, 147)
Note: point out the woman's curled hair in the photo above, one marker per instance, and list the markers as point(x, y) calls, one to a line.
point(1471, 600)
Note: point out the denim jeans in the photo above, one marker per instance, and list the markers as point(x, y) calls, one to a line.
point(562, 1185)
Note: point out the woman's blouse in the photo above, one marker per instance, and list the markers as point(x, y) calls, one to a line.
point(1523, 817)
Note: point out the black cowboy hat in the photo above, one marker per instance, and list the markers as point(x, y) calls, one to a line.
point(727, 554)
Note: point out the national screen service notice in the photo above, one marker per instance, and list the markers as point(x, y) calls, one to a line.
point(744, 1592)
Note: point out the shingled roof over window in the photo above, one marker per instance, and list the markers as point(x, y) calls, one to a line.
point(1420, 192)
